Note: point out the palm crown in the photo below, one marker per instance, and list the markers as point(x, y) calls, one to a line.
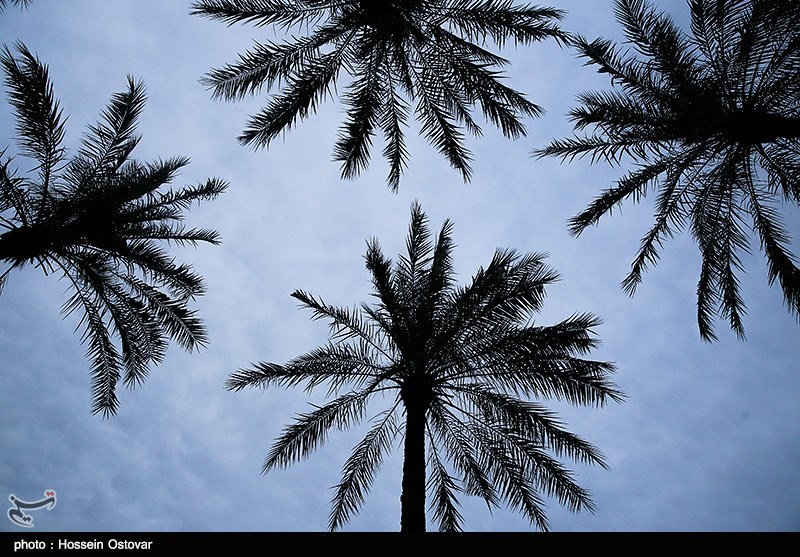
point(459, 362)
point(713, 121)
point(429, 51)
point(99, 219)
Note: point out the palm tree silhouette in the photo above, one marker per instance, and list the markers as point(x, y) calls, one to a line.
point(98, 219)
point(459, 362)
point(429, 51)
point(712, 121)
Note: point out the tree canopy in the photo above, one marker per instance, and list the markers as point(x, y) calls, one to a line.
point(101, 219)
point(711, 121)
point(455, 369)
point(430, 52)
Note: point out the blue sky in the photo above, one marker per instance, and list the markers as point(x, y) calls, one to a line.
point(708, 437)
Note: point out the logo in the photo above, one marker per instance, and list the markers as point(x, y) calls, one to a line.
point(17, 515)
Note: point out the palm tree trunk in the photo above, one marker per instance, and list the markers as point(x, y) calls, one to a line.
point(412, 498)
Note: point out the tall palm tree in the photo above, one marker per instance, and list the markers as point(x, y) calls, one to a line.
point(433, 52)
point(456, 366)
point(712, 121)
point(98, 218)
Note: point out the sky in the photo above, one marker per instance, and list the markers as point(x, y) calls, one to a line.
point(706, 440)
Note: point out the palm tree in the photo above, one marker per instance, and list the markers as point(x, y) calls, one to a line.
point(712, 121)
point(20, 3)
point(98, 219)
point(430, 51)
point(459, 362)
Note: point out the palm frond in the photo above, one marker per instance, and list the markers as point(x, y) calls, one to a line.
point(14, 196)
point(106, 365)
point(300, 98)
point(285, 13)
point(109, 143)
point(704, 116)
point(40, 121)
point(267, 65)
point(337, 364)
point(498, 20)
point(100, 219)
point(365, 97)
point(433, 54)
point(344, 324)
point(509, 475)
point(449, 432)
point(360, 468)
point(775, 240)
point(174, 318)
point(311, 429)
point(383, 281)
point(532, 422)
point(670, 216)
point(160, 269)
point(439, 124)
point(509, 289)
point(540, 362)
point(459, 360)
point(444, 487)
point(394, 118)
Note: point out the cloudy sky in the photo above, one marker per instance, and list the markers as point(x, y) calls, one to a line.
point(707, 440)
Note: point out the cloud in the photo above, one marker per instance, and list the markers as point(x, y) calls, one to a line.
point(705, 441)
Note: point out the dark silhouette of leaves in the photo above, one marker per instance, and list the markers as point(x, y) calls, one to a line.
point(100, 219)
point(455, 367)
point(430, 52)
point(712, 123)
